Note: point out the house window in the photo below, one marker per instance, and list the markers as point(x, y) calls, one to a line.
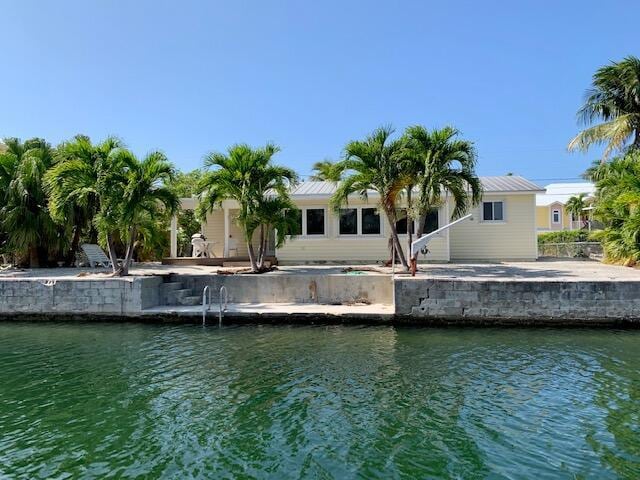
point(431, 221)
point(296, 221)
point(401, 223)
point(315, 221)
point(555, 216)
point(370, 221)
point(348, 221)
point(493, 211)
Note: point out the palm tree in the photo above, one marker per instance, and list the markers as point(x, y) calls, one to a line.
point(441, 163)
point(617, 206)
point(374, 164)
point(24, 212)
point(248, 176)
point(326, 171)
point(146, 200)
point(271, 216)
point(575, 206)
point(613, 98)
point(78, 182)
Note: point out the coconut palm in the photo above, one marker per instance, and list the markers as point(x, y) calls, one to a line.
point(24, 212)
point(440, 163)
point(374, 164)
point(248, 176)
point(576, 205)
point(617, 206)
point(73, 184)
point(326, 171)
point(614, 98)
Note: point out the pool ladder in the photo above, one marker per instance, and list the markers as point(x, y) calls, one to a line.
point(206, 303)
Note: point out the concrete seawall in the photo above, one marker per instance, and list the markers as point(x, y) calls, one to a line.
point(517, 301)
point(299, 288)
point(328, 297)
point(122, 296)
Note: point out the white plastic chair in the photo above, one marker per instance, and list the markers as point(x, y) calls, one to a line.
point(95, 255)
point(199, 247)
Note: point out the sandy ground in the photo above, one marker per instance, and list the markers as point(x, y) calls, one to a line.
point(544, 270)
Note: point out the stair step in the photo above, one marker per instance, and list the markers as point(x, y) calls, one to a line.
point(173, 297)
point(169, 286)
point(190, 300)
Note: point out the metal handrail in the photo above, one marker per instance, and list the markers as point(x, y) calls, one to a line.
point(205, 306)
point(222, 309)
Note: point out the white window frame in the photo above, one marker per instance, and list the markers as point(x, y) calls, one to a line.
point(492, 201)
point(359, 235)
point(304, 222)
point(553, 213)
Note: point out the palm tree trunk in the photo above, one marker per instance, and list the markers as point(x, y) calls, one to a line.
point(75, 243)
point(409, 221)
point(252, 256)
point(34, 257)
point(261, 249)
point(133, 232)
point(394, 235)
point(419, 231)
point(112, 253)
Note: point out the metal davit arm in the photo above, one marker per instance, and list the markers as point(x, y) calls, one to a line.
point(421, 242)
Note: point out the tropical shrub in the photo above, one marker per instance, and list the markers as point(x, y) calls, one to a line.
point(617, 206)
point(564, 236)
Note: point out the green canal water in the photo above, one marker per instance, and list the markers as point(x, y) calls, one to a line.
point(152, 401)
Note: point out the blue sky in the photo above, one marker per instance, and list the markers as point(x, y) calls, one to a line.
point(190, 77)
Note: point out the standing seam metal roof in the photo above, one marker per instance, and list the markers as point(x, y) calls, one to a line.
point(506, 183)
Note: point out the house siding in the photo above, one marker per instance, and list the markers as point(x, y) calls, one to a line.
point(513, 239)
point(333, 247)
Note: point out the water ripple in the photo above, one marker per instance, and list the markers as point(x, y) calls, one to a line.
point(132, 401)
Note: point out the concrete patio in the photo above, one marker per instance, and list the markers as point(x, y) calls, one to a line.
point(543, 270)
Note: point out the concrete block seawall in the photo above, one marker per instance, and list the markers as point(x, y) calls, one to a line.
point(521, 302)
point(76, 296)
point(325, 289)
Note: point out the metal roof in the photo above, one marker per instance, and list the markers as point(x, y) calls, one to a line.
point(562, 192)
point(507, 183)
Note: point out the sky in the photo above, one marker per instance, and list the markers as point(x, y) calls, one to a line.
point(191, 77)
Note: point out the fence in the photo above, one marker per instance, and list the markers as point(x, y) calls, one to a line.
point(570, 250)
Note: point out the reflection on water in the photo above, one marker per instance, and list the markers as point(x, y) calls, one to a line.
point(125, 401)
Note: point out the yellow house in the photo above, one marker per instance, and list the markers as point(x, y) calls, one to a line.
point(502, 227)
point(551, 213)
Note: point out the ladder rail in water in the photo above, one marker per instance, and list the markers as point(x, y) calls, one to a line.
point(222, 309)
point(206, 306)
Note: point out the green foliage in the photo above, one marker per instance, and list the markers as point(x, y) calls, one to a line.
point(374, 163)
point(248, 176)
point(185, 185)
point(617, 206)
point(26, 225)
point(327, 171)
point(564, 236)
point(613, 99)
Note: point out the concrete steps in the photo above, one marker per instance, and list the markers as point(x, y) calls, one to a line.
point(173, 293)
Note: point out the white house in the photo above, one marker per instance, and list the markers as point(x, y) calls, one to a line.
point(503, 227)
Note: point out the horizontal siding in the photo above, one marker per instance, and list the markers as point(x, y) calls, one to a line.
point(542, 218)
point(213, 230)
point(513, 239)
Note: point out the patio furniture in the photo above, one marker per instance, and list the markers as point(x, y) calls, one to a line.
point(209, 245)
point(199, 247)
point(95, 255)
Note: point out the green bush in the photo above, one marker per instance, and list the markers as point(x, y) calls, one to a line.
point(564, 236)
